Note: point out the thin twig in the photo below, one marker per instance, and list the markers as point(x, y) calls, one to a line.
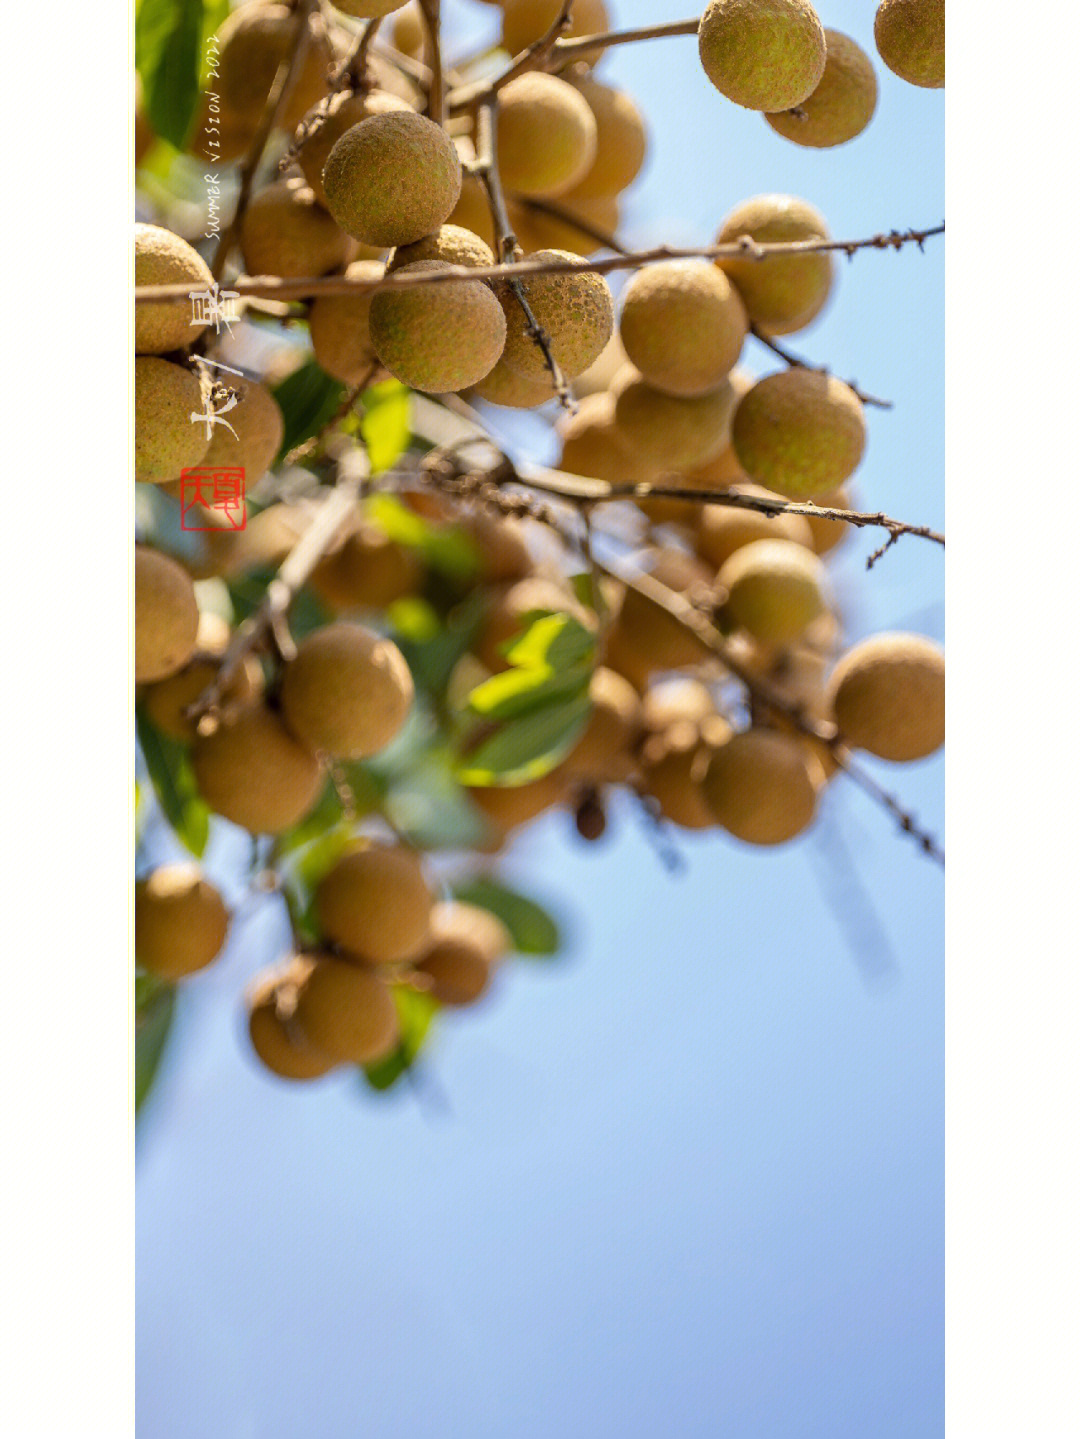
point(355, 59)
point(560, 212)
point(789, 358)
point(436, 108)
point(310, 445)
point(583, 44)
point(533, 57)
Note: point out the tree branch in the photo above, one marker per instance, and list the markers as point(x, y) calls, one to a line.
point(582, 44)
point(789, 358)
point(464, 97)
point(430, 9)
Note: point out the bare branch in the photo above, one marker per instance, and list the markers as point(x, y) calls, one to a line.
point(789, 358)
point(430, 9)
point(583, 44)
point(534, 57)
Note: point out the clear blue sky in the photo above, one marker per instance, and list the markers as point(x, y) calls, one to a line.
point(691, 1176)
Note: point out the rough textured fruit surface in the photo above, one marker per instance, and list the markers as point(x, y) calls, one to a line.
point(253, 42)
point(166, 615)
point(275, 1036)
point(537, 230)
point(452, 244)
point(180, 921)
point(782, 293)
point(621, 141)
point(527, 20)
point(576, 311)
point(888, 696)
point(329, 120)
point(723, 529)
point(392, 179)
point(760, 786)
point(604, 753)
point(515, 391)
point(775, 589)
point(260, 429)
point(842, 105)
point(162, 258)
point(340, 328)
point(799, 432)
point(253, 772)
point(669, 432)
point(683, 325)
point(910, 37)
point(762, 54)
point(438, 338)
point(347, 692)
point(346, 1012)
point(166, 701)
point(546, 135)
point(285, 231)
point(166, 439)
point(375, 903)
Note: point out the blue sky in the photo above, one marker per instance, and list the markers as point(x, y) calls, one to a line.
point(689, 1178)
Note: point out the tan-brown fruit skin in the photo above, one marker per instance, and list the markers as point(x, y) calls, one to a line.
point(507, 387)
point(166, 701)
point(285, 231)
point(253, 41)
point(577, 312)
point(760, 786)
point(502, 543)
point(272, 1028)
point(508, 806)
point(167, 441)
point(472, 211)
point(546, 135)
point(775, 589)
point(782, 293)
point(408, 32)
point(645, 638)
point(826, 535)
point(466, 944)
point(673, 765)
point(604, 753)
point(392, 179)
point(438, 338)
point(621, 142)
point(888, 696)
point(375, 903)
point(345, 1012)
point(348, 691)
point(683, 325)
point(535, 229)
point(762, 54)
point(368, 9)
point(180, 921)
point(910, 37)
point(368, 572)
point(340, 328)
point(260, 429)
point(842, 105)
point(253, 772)
point(162, 258)
point(452, 244)
point(591, 445)
point(166, 616)
point(723, 529)
point(799, 432)
point(527, 20)
point(507, 619)
point(334, 116)
point(671, 432)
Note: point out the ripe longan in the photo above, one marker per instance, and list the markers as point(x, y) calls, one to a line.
point(645, 638)
point(775, 589)
point(799, 432)
point(162, 258)
point(507, 619)
point(762, 54)
point(392, 179)
point(438, 338)
point(575, 309)
point(346, 1012)
point(782, 293)
point(472, 211)
point(842, 105)
point(683, 325)
point(506, 807)
point(621, 142)
point(666, 703)
point(507, 387)
point(260, 429)
point(724, 529)
point(408, 32)
point(166, 615)
point(252, 771)
point(375, 903)
point(272, 1028)
point(760, 786)
point(826, 535)
point(673, 765)
point(591, 445)
point(535, 229)
point(467, 943)
point(369, 571)
point(167, 440)
point(329, 120)
point(167, 699)
point(340, 328)
point(285, 231)
point(671, 432)
point(348, 692)
point(546, 135)
point(525, 21)
point(368, 9)
point(910, 37)
point(253, 41)
point(452, 244)
point(604, 752)
point(887, 696)
point(502, 544)
point(180, 921)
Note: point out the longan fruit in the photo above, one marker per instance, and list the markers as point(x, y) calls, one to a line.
point(166, 615)
point(260, 429)
point(683, 325)
point(507, 387)
point(799, 432)
point(253, 42)
point(621, 141)
point(591, 445)
point(368, 9)
point(546, 135)
point(887, 696)
point(218, 133)
point(762, 54)
point(723, 529)
point(375, 903)
point(535, 229)
point(369, 572)
point(670, 432)
point(575, 309)
point(467, 943)
point(672, 700)
point(645, 638)
point(473, 211)
point(162, 258)
point(506, 620)
point(826, 535)
point(673, 766)
point(348, 692)
point(274, 1034)
point(782, 293)
point(438, 338)
point(604, 752)
point(252, 771)
point(167, 440)
point(166, 700)
point(452, 244)
point(526, 21)
point(340, 328)
point(392, 179)
point(285, 231)
point(346, 1012)
point(508, 806)
point(910, 38)
point(264, 542)
point(598, 378)
point(501, 541)
point(180, 921)
point(760, 785)
point(456, 919)
point(842, 105)
point(408, 32)
point(324, 125)
point(775, 589)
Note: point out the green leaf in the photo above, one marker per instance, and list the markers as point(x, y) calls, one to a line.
point(532, 929)
point(308, 398)
point(170, 772)
point(386, 426)
point(529, 746)
point(168, 41)
point(429, 809)
point(443, 547)
point(416, 1011)
point(153, 1020)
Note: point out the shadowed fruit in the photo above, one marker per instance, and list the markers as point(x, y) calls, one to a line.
point(253, 772)
point(275, 1036)
point(260, 429)
point(799, 432)
point(376, 904)
point(825, 535)
point(536, 229)
point(842, 105)
point(546, 135)
point(329, 120)
point(368, 9)
point(591, 445)
point(760, 786)
point(645, 638)
point(253, 41)
point(392, 179)
point(507, 387)
point(888, 696)
point(775, 589)
point(340, 328)
point(180, 921)
point(762, 54)
point(348, 691)
point(285, 231)
point(346, 1012)
point(673, 765)
point(507, 806)
point(408, 32)
point(369, 571)
point(723, 529)
point(452, 244)
point(669, 432)
point(167, 440)
point(576, 311)
point(508, 617)
point(438, 338)
point(604, 753)
point(910, 37)
point(166, 701)
point(501, 541)
point(162, 258)
point(525, 21)
point(782, 293)
point(682, 325)
point(472, 211)
point(620, 140)
point(166, 616)
point(466, 944)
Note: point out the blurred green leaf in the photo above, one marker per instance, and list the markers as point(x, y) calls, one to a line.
point(529, 746)
point(416, 1011)
point(414, 621)
point(551, 662)
point(443, 547)
point(168, 42)
point(428, 808)
point(169, 768)
point(532, 929)
point(386, 424)
point(153, 1020)
point(308, 398)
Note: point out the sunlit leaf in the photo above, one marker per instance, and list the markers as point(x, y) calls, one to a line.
point(532, 929)
point(168, 45)
point(528, 746)
point(386, 425)
point(308, 398)
point(416, 1010)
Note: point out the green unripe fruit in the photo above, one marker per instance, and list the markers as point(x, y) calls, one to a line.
point(392, 179)
point(910, 37)
point(167, 440)
point(760, 786)
point(452, 244)
point(285, 231)
point(682, 325)
point(782, 293)
point(180, 921)
point(842, 105)
point(260, 429)
point(341, 328)
point(253, 41)
point(799, 432)
point(275, 1036)
point(162, 258)
point(253, 772)
point(166, 616)
point(438, 338)
point(348, 692)
point(526, 21)
point(724, 529)
point(329, 120)
point(376, 904)
point(620, 140)
point(670, 432)
point(775, 589)
point(576, 311)
point(763, 54)
point(888, 696)
point(546, 135)
point(346, 1012)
